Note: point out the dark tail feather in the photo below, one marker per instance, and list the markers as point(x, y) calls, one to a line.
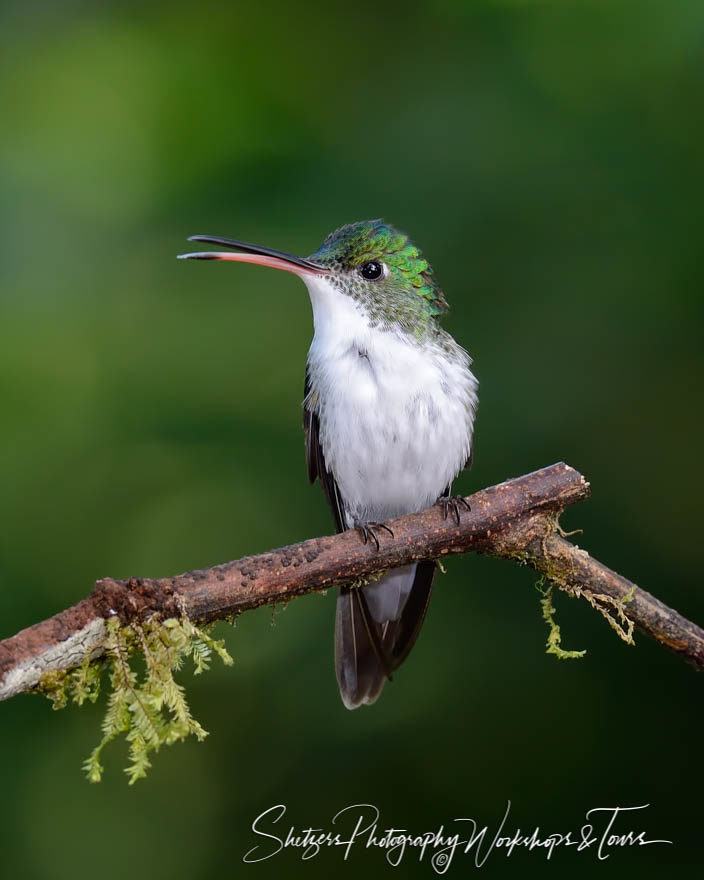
point(361, 671)
point(368, 647)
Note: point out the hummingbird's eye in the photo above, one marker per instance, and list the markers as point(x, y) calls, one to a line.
point(372, 270)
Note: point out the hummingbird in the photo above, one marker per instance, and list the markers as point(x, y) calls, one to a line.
point(388, 414)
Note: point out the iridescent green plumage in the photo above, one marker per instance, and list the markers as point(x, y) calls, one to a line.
point(353, 245)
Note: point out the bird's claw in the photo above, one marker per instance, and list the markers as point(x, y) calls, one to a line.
point(366, 530)
point(453, 502)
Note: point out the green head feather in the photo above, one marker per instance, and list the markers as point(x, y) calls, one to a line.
point(406, 271)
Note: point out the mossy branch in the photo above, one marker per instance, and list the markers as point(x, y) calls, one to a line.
point(149, 713)
point(162, 618)
point(515, 520)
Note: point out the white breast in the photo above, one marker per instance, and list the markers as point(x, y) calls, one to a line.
point(396, 415)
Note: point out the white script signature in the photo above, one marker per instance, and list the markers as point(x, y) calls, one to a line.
point(359, 827)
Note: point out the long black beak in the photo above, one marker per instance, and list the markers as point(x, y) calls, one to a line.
point(254, 253)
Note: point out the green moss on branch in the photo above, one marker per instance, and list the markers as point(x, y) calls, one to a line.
point(149, 710)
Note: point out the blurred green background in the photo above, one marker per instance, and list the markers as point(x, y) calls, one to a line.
point(548, 159)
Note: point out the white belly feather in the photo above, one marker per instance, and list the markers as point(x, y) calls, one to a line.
point(396, 414)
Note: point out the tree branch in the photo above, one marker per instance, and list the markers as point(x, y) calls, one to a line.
point(516, 520)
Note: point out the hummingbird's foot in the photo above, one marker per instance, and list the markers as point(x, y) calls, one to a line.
point(366, 530)
point(452, 503)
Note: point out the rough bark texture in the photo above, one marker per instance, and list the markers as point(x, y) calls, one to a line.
point(516, 519)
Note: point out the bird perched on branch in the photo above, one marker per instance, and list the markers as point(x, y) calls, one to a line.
point(388, 413)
